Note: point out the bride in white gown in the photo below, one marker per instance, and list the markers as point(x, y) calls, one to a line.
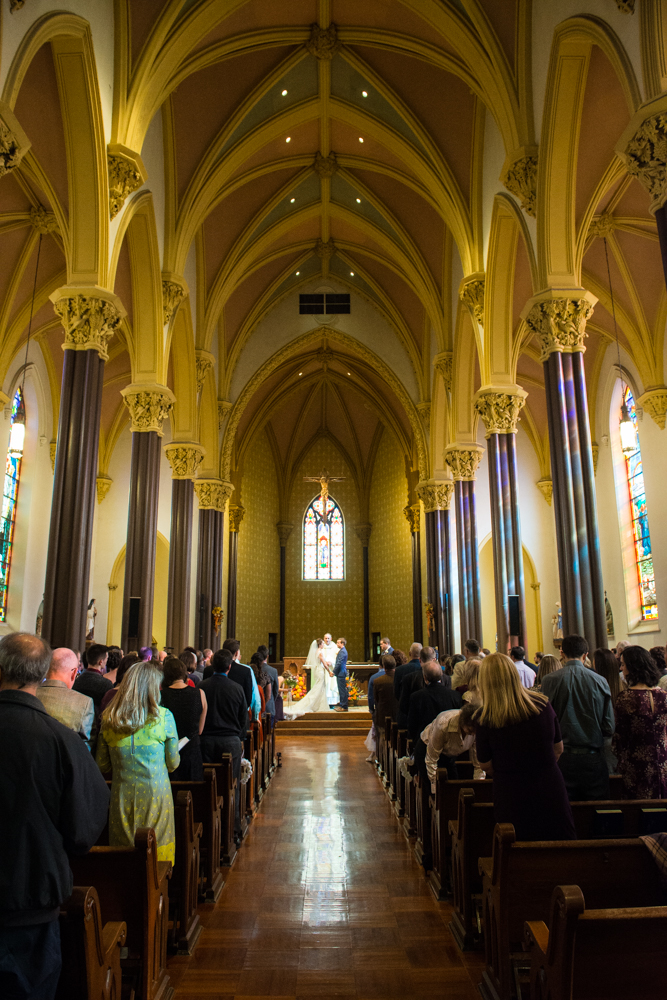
point(316, 699)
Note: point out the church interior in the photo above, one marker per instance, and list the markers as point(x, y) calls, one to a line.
point(329, 316)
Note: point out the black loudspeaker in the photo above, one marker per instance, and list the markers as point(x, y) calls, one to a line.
point(133, 617)
point(514, 615)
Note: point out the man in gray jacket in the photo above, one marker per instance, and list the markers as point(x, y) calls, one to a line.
point(71, 708)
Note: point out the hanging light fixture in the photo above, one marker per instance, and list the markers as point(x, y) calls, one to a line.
point(17, 433)
point(626, 425)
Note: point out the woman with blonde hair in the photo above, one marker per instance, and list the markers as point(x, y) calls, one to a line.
point(138, 743)
point(519, 743)
point(548, 664)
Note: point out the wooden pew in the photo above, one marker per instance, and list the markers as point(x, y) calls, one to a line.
point(444, 809)
point(392, 788)
point(519, 881)
point(248, 805)
point(185, 882)
point(410, 820)
point(90, 949)
point(132, 886)
point(423, 849)
point(604, 954)
point(207, 806)
point(258, 752)
point(401, 750)
point(227, 789)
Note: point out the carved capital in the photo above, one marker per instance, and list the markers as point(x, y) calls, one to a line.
point(323, 42)
point(284, 529)
point(471, 294)
point(626, 6)
point(14, 143)
point(463, 460)
point(602, 225)
point(412, 513)
point(325, 166)
point(89, 316)
point(174, 290)
point(236, 515)
point(444, 363)
point(435, 495)
point(52, 454)
point(149, 406)
point(325, 249)
point(500, 408)
point(646, 158)
point(41, 220)
point(103, 484)
point(213, 494)
point(559, 323)
point(546, 488)
point(363, 533)
point(595, 449)
point(654, 402)
point(520, 179)
point(15, 5)
point(184, 459)
point(204, 362)
point(126, 174)
point(224, 409)
point(425, 411)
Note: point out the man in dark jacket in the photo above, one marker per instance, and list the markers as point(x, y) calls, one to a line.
point(55, 802)
point(92, 681)
point(432, 698)
point(412, 683)
point(226, 721)
point(405, 669)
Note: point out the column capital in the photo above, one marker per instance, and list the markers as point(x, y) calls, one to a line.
point(463, 460)
point(363, 533)
point(413, 513)
point(205, 362)
point(643, 148)
point(499, 408)
point(126, 174)
point(444, 363)
point(519, 176)
point(103, 485)
point(184, 457)
point(558, 319)
point(546, 488)
point(149, 406)
point(14, 143)
point(174, 290)
point(236, 514)
point(224, 409)
point(654, 401)
point(435, 494)
point(213, 494)
point(284, 529)
point(89, 315)
point(471, 294)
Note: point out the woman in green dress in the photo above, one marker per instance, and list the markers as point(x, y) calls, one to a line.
point(138, 743)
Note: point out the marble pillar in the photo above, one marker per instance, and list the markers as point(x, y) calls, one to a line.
point(284, 529)
point(437, 498)
point(412, 513)
point(184, 458)
point(212, 495)
point(364, 534)
point(463, 460)
point(236, 515)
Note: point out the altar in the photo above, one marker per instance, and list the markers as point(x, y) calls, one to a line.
point(362, 671)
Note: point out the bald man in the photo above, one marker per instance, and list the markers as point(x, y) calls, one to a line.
point(71, 708)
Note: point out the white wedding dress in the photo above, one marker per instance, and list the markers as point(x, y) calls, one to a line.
point(316, 700)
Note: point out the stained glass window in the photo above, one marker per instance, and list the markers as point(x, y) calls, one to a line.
point(10, 494)
point(639, 518)
point(323, 541)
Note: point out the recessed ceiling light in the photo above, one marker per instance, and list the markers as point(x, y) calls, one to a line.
point(288, 139)
point(292, 200)
point(358, 201)
point(298, 273)
point(349, 373)
point(364, 93)
point(360, 139)
point(284, 93)
point(352, 274)
point(300, 373)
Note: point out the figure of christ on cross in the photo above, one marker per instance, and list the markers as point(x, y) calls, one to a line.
point(324, 479)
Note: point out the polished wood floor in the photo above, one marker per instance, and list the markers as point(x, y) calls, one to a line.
point(325, 898)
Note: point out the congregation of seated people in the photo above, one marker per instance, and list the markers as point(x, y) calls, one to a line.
point(99, 748)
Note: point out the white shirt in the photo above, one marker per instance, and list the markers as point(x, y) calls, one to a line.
point(443, 736)
point(525, 673)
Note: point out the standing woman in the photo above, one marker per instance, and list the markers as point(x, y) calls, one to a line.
point(519, 743)
point(138, 743)
point(640, 740)
point(548, 664)
point(606, 665)
point(188, 706)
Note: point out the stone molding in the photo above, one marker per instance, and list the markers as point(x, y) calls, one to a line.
point(645, 157)
point(149, 407)
point(213, 494)
point(53, 445)
point(41, 220)
point(284, 529)
point(325, 249)
point(103, 485)
point(236, 514)
point(363, 533)
point(444, 363)
point(14, 143)
point(413, 513)
point(89, 317)
point(559, 322)
point(325, 166)
point(323, 42)
point(520, 179)
point(463, 460)
point(224, 409)
point(654, 402)
point(602, 226)
point(471, 294)
point(595, 449)
point(184, 458)
point(126, 174)
point(499, 408)
point(435, 495)
point(546, 488)
point(204, 362)
point(174, 290)
point(424, 410)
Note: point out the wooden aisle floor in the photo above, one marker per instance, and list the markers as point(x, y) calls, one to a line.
point(325, 898)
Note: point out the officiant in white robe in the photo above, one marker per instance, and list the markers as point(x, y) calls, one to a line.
point(329, 653)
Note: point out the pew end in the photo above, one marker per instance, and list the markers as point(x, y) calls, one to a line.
point(90, 949)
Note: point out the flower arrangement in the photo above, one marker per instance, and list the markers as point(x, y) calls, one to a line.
point(354, 690)
point(217, 614)
point(299, 688)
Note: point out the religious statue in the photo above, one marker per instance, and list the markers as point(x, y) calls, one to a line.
point(91, 615)
point(557, 625)
point(324, 479)
point(609, 615)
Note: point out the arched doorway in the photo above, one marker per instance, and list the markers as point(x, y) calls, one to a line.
point(534, 638)
point(116, 588)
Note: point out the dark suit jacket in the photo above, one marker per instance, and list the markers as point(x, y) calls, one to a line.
point(271, 702)
point(427, 704)
point(340, 667)
point(403, 671)
point(240, 674)
point(385, 700)
point(411, 683)
point(227, 713)
point(94, 684)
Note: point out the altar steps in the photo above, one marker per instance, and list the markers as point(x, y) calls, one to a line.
point(356, 722)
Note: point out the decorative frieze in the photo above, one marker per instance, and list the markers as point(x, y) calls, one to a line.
point(149, 407)
point(204, 363)
point(463, 460)
point(435, 495)
point(236, 515)
point(184, 459)
point(412, 513)
point(323, 42)
point(213, 494)
point(89, 318)
point(546, 488)
point(103, 485)
point(654, 401)
point(126, 174)
point(363, 533)
point(325, 166)
point(500, 409)
point(560, 324)
point(444, 364)
point(520, 179)
point(41, 220)
point(173, 293)
point(471, 294)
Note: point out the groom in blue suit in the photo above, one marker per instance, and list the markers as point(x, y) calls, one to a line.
point(340, 673)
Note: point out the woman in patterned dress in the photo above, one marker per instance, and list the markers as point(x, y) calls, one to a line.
point(138, 743)
point(640, 740)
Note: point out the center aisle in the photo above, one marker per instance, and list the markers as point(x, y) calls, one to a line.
point(325, 898)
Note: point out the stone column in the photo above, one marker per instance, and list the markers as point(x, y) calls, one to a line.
point(212, 495)
point(412, 513)
point(499, 409)
point(560, 326)
point(236, 515)
point(185, 459)
point(463, 460)
point(364, 534)
point(437, 498)
point(149, 406)
point(89, 318)
point(284, 529)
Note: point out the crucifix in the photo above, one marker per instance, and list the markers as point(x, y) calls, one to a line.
point(324, 479)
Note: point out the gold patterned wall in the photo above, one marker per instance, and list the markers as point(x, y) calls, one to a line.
point(389, 552)
point(258, 579)
point(312, 607)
